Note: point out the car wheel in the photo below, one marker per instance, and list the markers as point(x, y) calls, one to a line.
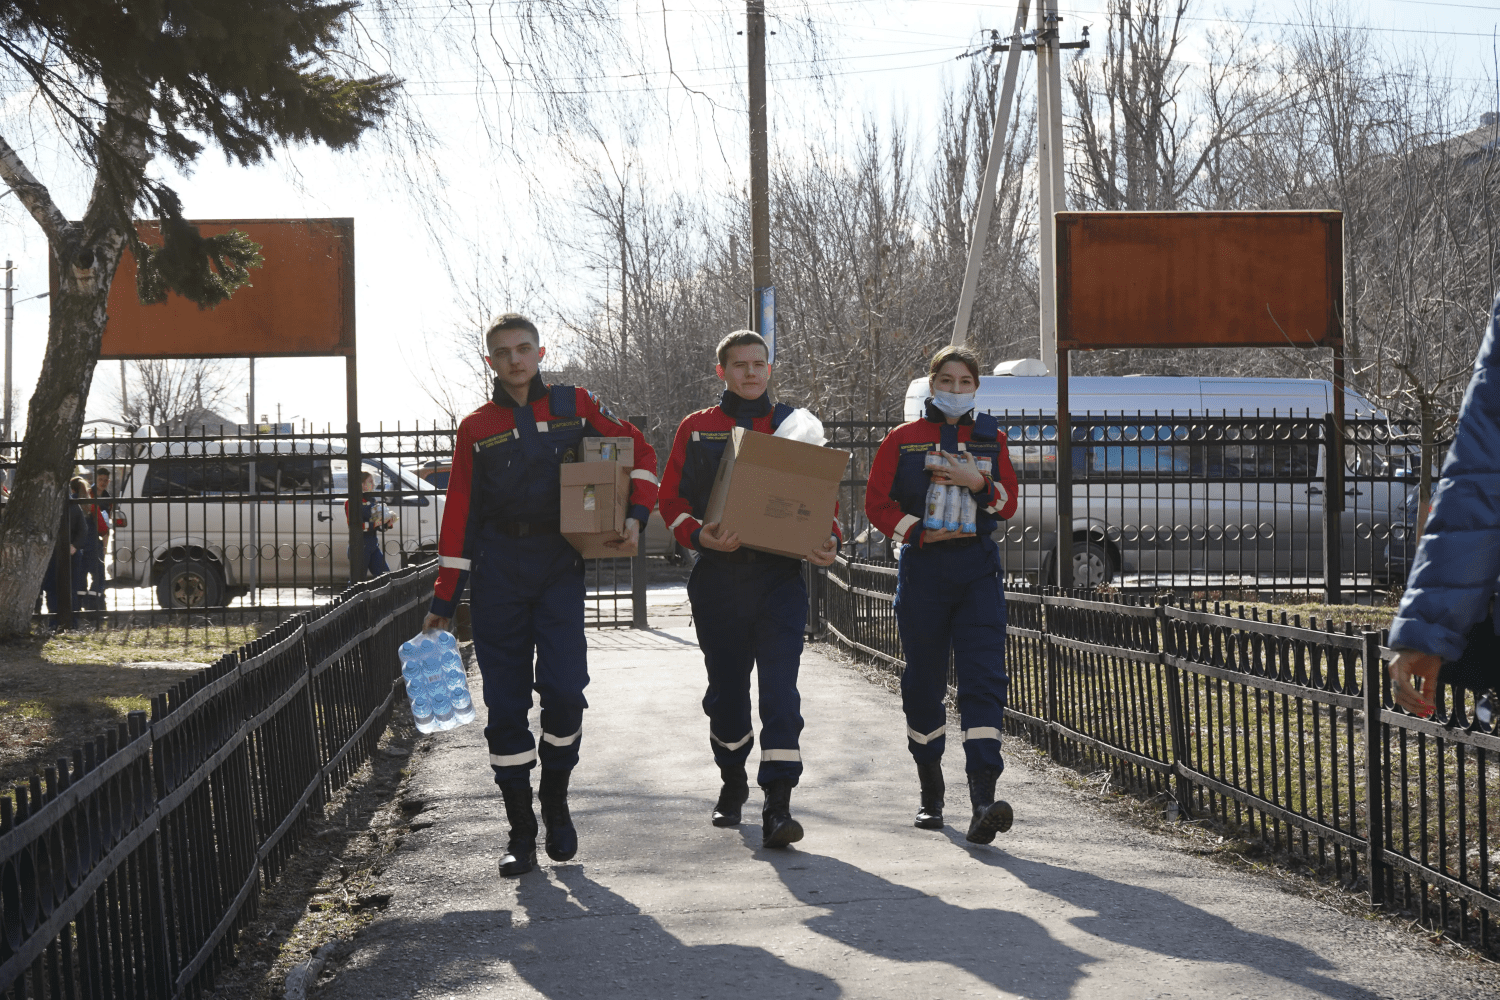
point(190, 583)
point(1092, 565)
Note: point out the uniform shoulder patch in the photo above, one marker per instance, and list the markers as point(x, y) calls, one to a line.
point(599, 405)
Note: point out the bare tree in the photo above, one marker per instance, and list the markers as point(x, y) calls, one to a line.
point(168, 393)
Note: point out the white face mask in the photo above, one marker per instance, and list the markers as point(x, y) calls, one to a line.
point(953, 404)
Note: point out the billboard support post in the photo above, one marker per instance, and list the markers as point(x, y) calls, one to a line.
point(1064, 489)
point(355, 463)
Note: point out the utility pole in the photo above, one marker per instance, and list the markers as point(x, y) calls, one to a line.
point(10, 319)
point(1051, 194)
point(762, 294)
point(981, 235)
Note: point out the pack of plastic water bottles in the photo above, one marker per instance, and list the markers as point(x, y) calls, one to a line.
point(949, 507)
point(435, 681)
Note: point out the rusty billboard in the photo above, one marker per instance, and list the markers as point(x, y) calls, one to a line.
point(299, 303)
point(1199, 279)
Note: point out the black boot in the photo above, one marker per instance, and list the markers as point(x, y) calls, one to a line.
point(520, 851)
point(732, 795)
point(930, 813)
point(552, 794)
point(777, 828)
point(990, 816)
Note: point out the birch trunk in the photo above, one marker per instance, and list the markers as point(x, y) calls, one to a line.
point(88, 253)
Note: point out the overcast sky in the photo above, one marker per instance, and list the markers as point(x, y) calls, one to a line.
point(889, 58)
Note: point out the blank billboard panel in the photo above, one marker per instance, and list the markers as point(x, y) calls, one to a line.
point(300, 302)
point(1199, 279)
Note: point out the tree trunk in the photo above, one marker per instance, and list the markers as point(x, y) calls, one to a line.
point(28, 532)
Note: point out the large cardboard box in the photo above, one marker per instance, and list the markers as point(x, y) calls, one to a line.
point(777, 495)
point(595, 496)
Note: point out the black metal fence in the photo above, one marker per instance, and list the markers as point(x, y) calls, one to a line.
point(128, 869)
point(1282, 732)
point(235, 532)
point(1233, 504)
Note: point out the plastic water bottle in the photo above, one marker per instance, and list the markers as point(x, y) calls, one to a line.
point(937, 495)
point(969, 514)
point(436, 682)
point(952, 503)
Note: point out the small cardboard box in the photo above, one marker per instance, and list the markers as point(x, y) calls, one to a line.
point(595, 496)
point(620, 450)
point(777, 495)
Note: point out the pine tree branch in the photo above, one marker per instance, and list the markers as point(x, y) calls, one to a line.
point(34, 195)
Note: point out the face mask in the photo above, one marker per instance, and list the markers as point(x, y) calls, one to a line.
point(953, 404)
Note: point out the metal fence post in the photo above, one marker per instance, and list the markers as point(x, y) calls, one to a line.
point(63, 584)
point(1374, 767)
point(1049, 698)
point(638, 566)
point(1176, 715)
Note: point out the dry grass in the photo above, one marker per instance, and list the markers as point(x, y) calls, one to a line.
point(68, 689)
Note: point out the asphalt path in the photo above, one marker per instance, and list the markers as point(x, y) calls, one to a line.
point(659, 903)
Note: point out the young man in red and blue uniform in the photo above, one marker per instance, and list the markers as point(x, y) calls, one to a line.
point(950, 587)
point(500, 534)
point(749, 607)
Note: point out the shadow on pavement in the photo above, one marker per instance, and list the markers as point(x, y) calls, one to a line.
point(1155, 921)
point(619, 951)
point(1008, 950)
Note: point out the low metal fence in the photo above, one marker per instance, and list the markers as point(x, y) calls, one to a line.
point(1282, 732)
point(230, 532)
point(1162, 501)
point(128, 869)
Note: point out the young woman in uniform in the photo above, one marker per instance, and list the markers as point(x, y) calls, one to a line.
point(950, 589)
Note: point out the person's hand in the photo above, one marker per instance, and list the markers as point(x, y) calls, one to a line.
point(928, 535)
point(628, 538)
point(825, 555)
point(72, 550)
point(435, 622)
point(961, 470)
point(1414, 680)
point(710, 537)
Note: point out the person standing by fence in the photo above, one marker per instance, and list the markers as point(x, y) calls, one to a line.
point(80, 530)
point(950, 588)
point(371, 526)
point(749, 607)
point(501, 523)
point(1447, 614)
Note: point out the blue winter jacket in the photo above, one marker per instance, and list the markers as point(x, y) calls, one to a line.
point(1456, 571)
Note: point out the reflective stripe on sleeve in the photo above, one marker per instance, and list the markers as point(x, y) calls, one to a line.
point(643, 474)
point(917, 737)
point(1001, 498)
point(731, 746)
point(679, 520)
point(981, 733)
point(453, 562)
point(561, 741)
point(902, 527)
point(512, 759)
point(780, 754)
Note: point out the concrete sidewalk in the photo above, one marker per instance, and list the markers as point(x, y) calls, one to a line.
point(659, 903)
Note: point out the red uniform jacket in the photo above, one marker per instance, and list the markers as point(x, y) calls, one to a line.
point(505, 464)
point(896, 496)
point(701, 437)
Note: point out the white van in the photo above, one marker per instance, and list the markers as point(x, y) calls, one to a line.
point(1161, 499)
point(191, 518)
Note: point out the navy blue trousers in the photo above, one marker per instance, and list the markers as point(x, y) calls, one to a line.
point(952, 599)
point(526, 595)
point(752, 615)
point(375, 563)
